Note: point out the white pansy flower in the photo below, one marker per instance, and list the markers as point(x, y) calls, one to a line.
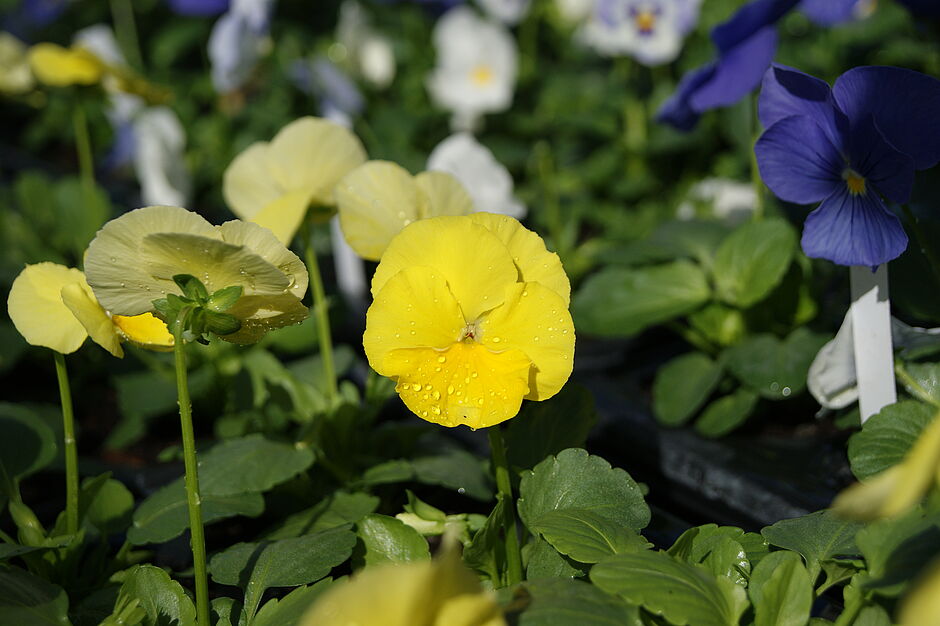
point(574, 11)
point(237, 41)
point(370, 54)
point(486, 180)
point(159, 141)
point(506, 11)
point(651, 31)
point(730, 201)
point(15, 75)
point(476, 67)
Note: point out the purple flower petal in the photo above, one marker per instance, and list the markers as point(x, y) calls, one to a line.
point(798, 162)
point(852, 229)
point(737, 72)
point(786, 91)
point(904, 103)
point(891, 172)
point(748, 20)
point(677, 110)
point(198, 7)
point(829, 12)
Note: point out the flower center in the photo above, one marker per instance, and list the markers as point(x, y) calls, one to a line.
point(854, 181)
point(645, 21)
point(481, 75)
point(471, 333)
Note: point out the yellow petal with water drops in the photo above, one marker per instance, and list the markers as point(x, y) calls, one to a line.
point(445, 195)
point(375, 202)
point(414, 309)
point(473, 261)
point(145, 331)
point(36, 308)
point(265, 244)
point(259, 314)
point(466, 384)
point(114, 264)
point(312, 154)
point(60, 67)
point(81, 302)
point(248, 185)
point(216, 263)
point(535, 262)
point(921, 605)
point(284, 215)
point(536, 321)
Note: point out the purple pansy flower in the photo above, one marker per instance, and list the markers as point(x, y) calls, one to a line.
point(198, 7)
point(848, 148)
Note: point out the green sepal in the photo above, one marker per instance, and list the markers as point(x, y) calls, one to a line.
point(192, 287)
point(220, 323)
point(224, 299)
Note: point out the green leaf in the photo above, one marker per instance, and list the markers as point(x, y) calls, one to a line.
point(695, 544)
point(10, 550)
point(620, 302)
point(27, 444)
point(682, 386)
point(288, 610)
point(106, 504)
point(719, 323)
point(389, 540)
point(896, 550)
point(486, 551)
point(886, 437)
point(752, 260)
point(337, 509)
point(727, 413)
point(28, 600)
point(456, 469)
point(546, 428)
point(249, 464)
point(543, 561)
point(161, 597)
point(192, 287)
point(575, 480)
point(587, 537)
point(164, 515)
point(781, 591)
point(682, 593)
point(565, 602)
point(818, 537)
point(773, 368)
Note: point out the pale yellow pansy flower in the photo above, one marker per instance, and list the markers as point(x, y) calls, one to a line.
point(442, 592)
point(15, 75)
point(379, 198)
point(897, 489)
point(56, 66)
point(133, 258)
point(470, 316)
point(52, 306)
point(273, 184)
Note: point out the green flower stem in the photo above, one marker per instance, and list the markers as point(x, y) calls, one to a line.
point(198, 540)
point(71, 449)
point(86, 164)
point(122, 13)
point(322, 313)
point(504, 486)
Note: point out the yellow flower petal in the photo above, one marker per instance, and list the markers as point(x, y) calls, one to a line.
point(81, 302)
point(375, 201)
point(476, 273)
point(284, 215)
point(145, 330)
point(114, 264)
point(259, 314)
point(264, 243)
point(921, 606)
point(466, 384)
point(311, 155)
point(248, 184)
point(59, 67)
point(414, 309)
point(535, 262)
point(534, 320)
point(445, 195)
point(36, 308)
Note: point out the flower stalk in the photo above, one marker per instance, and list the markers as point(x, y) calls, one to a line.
point(322, 314)
point(504, 488)
point(71, 448)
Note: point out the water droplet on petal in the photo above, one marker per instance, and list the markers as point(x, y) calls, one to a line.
point(441, 359)
point(450, 389)
point(496, 339)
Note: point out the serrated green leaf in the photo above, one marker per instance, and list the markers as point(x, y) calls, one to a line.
point(545, 428)
point(781, 591)
point(456, 469)
point(586, 536)
point(337, 509)
point(817, 537)
point(886, 437)
point(565, 602)
point(389, 540)
point(288, 610)
point(896, 550)
point(544, 561)
point(261, 463)
point(162, 598)
point(165, 515)
point(726, 413)
point(773, 368)
point(752, 260)
point(486, 551)
point(682, 386)
point(28, 600)
point(693, 545)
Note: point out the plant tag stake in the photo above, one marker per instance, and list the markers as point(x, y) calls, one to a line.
point(871, 334)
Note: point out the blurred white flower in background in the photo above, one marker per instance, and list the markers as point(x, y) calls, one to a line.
point(486, 180)
point(477, 62)
point(237, 41)
point(728, 200)
point(367, 52)
point(338, 96)
point(574, 11)
point(650, 31)
point(506, 11)
point(15, 75)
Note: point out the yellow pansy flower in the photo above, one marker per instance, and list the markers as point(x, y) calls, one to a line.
point(133, 258)
point(897, 489)
point(442, 592)
point(273, 184)
point(15, 75)
point(56, 66)
point(470, 316)
point(52, 306)
point(379, 198)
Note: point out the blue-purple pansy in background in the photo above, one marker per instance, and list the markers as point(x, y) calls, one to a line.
point(199, 7)
point(848, 148)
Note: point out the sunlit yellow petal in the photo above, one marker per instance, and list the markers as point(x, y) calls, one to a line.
point(535, 262)
point(311, 155)
point(536, 321)
point(59, 67)
point(36, 308)
point(473, 261)
point(114, 264)
point(284, 215)
point(81, 302)
point(375, 202)
point(265, 244)
point(259, 314)
point(144, 330)
point(248, 184)
point(921, 606)
point(445, 195)
point(414, 309)
point(466, 384)
point(470, 610)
